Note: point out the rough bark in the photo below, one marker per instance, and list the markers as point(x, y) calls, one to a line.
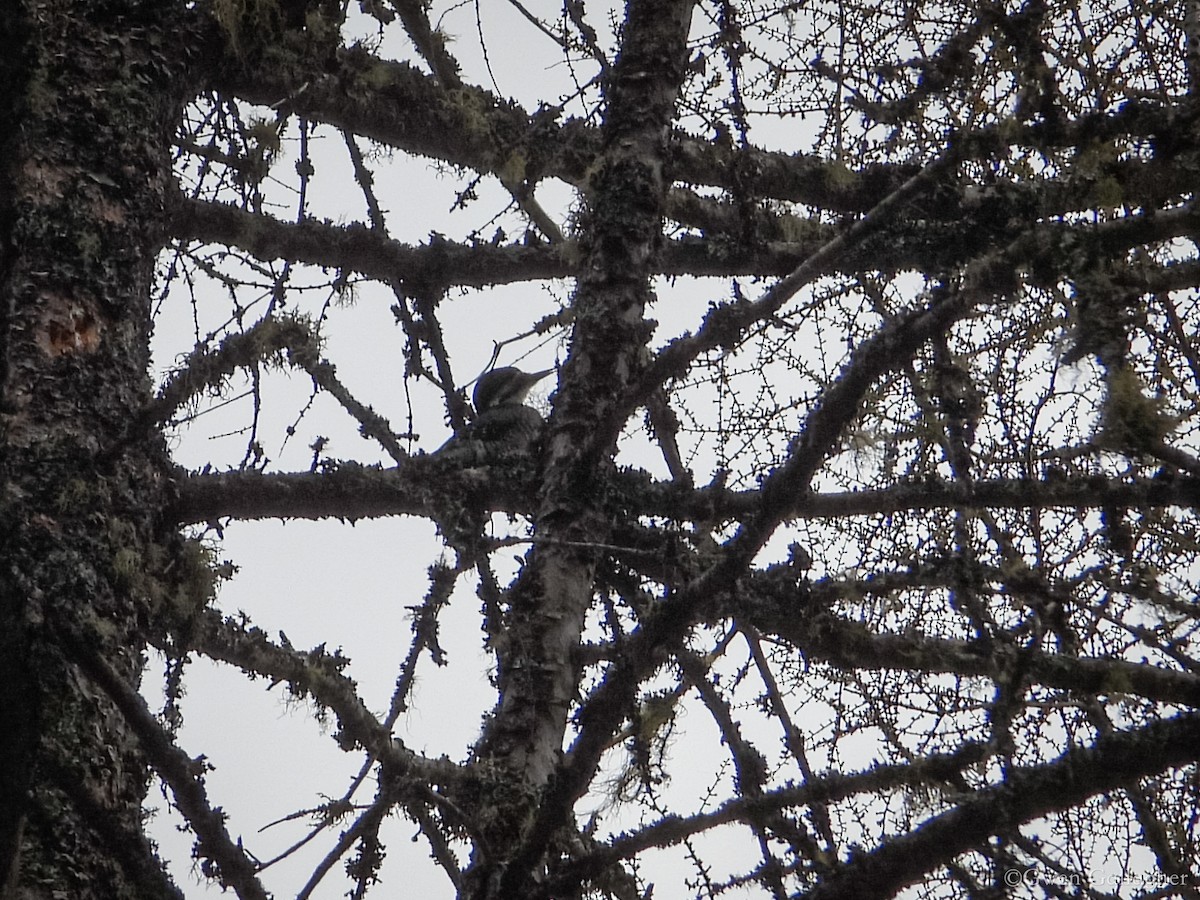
point(86, 116)
point(549, 602)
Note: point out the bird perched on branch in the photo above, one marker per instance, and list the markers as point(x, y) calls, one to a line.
point(502, 420)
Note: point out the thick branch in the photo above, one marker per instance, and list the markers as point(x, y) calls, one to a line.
point(355, 492)
point(356, 247)
point(850, 645)
point(316, 674)
point(1027, 794)
point(268, 339)
point(396, 104)
point(421, 487)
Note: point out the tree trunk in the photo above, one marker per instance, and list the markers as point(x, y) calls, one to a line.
point(86, 113)
point(550, 601)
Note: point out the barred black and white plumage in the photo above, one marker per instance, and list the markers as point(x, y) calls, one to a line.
point(502, 420)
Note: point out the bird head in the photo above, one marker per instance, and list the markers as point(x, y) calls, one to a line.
point(504, 387)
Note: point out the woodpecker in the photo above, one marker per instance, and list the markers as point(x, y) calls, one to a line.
point(502, 420)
